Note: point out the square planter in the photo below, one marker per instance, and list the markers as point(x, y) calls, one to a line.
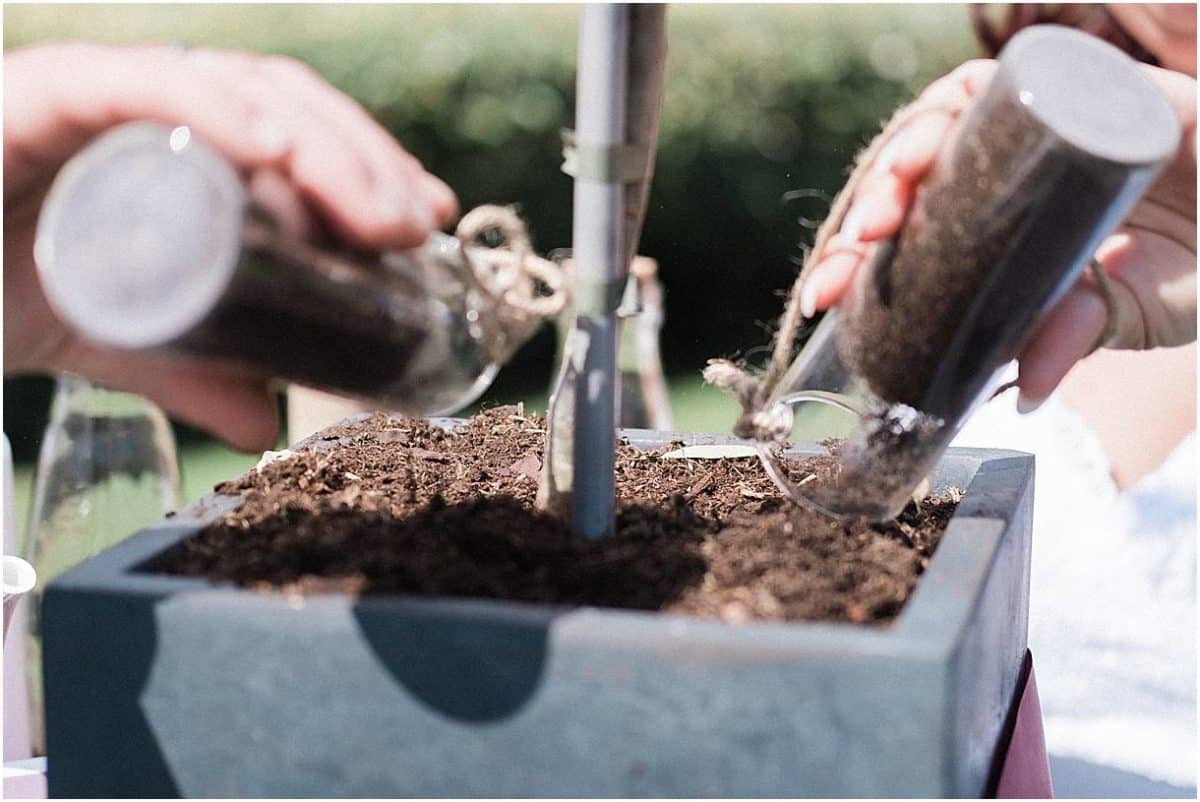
point(162, 686)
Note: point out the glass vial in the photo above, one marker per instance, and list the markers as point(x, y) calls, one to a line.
point(107, 468)
point(147, 240)
point(1043, 165)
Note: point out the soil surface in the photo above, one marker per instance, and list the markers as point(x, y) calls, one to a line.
point(400, 506)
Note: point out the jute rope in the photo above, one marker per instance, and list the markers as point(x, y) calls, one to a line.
point(759, 420)
point(511, 271)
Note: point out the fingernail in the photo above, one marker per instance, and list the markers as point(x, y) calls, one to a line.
point(852, 225)
point(808, 297)
point(270, 137)
point(1025, 404)
point(887, 157)
point(438, 192)
point(428, 218)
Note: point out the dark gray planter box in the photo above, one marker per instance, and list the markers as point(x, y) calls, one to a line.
point(163, 686)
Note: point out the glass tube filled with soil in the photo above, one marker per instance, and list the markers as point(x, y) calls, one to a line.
point(148, 240)
point(1043, 165)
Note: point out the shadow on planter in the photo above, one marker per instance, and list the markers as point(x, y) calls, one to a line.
point(477, 671)
point(122, 654)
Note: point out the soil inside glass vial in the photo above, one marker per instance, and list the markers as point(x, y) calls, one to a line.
point(334, 319)
point(994, 236)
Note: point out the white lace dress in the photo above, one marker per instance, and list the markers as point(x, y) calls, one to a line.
point(1113, 595)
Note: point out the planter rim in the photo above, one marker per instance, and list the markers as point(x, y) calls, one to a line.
point(928, 628)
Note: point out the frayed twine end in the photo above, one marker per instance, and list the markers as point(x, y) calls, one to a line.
point(755, 423)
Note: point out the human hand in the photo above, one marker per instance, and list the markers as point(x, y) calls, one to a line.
point(1151, 258)
point(303, 148)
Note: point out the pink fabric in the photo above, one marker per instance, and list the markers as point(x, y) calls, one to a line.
point(1025, 772)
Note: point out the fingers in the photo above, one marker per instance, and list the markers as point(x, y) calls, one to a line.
point(370, 195)
point(231, 404)
point(371, 139)
point(1152, 281)
point(57, 97)
point(877, 213)
point(347, 166)
point(1065, 337)
point(259, 112)
point(271, 190)
point(885, 193)
point(916, 147)
point(830, 279)
point(962, 83)
point(239, 410)
point(879, 208)
point(163, 84)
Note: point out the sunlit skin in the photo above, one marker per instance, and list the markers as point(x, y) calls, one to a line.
point(1168, 30)
point(305, 149)
point(1152, 257)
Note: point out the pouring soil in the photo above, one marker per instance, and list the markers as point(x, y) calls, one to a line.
point(387, 505)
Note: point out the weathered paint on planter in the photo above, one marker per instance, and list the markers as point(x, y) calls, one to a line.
point(161, 686)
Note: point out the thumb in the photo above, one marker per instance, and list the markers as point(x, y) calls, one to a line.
point(1067, 334)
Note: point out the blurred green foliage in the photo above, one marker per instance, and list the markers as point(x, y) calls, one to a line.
point(760, 100)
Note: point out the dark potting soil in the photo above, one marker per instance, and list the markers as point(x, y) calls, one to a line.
point(400, 506)
point(291, 307)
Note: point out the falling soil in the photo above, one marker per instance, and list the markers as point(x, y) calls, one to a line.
point(883, 463)
point(391, 505)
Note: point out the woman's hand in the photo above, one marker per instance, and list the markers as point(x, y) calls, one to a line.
point(1151, 259)
point(301, 145)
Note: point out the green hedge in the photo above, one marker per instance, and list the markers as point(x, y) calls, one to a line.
point(759, 100)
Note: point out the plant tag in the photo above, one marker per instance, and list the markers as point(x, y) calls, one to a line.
point(731, 451)
point(556, 482)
